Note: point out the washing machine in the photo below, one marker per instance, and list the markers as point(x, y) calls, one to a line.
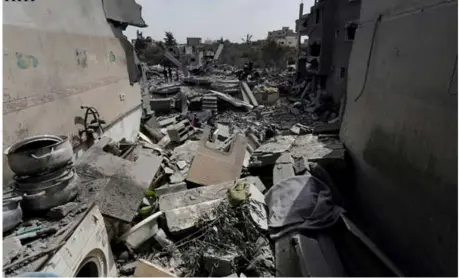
point(87, 252)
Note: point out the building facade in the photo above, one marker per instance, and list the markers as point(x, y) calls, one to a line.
point(84, 60)
point(284, 37)
point(330, 26)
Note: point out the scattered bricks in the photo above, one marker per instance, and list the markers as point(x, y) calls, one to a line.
point(219, 263)
point(161, 104)
point(299, 129)
point(209, 102)
point(330, 128)
point(61, 211)
point(170, 188)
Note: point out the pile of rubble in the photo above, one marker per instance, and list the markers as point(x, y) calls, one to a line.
point(224, 171)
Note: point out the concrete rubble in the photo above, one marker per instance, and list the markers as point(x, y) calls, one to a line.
point(208, 151)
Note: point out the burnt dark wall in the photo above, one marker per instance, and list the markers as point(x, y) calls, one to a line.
point(400, 128)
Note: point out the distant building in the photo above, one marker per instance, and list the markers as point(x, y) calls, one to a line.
point(193, 41)
point(330, 26)
point(285, 37)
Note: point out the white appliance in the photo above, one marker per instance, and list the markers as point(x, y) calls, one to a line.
point(87, 252)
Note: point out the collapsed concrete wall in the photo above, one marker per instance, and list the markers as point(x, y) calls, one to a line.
point(400, 127)
point(57, 56)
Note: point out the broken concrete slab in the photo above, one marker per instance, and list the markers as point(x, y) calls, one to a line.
point(11, 248)
point(181, 164)
point(258, 209)
point(161, 104)
point(318, 150)
point(249, 93)
point(219, 263)
point(183, 218)
point(142, 231)
point(284, 168)
point(268, 153)
point(299, 129)
point(211, 166)
point(61, 211)
point(232, 100)
point(194, 196)
point(171, 188)
point(127, 180)
point(223, 132)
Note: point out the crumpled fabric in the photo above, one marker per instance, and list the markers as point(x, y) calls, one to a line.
point(300, 203)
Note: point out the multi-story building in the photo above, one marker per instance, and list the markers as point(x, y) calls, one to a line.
point(330, 26)
point(285, 36)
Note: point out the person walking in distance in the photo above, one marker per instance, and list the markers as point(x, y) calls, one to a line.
point(165, 74)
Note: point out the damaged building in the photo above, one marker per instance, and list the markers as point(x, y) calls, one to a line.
point(113, 170)
point(331, 27)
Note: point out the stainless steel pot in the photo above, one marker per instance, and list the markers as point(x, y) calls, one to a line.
point(49, 195)
point(12, 213)
point(39, 154)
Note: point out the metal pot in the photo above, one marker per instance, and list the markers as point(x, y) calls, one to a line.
point(47, 195)
point(38, 154)
point(12, 213)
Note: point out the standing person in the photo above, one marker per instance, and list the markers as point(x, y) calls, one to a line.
point(176, 74)
point(170, 74)
point(165, 74)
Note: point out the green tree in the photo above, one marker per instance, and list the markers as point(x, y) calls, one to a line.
point(169, 40)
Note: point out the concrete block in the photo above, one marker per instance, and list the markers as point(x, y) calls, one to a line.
point(127, 180)
point(61, 211)
point(268, 153)
point(325, 151)
point(219, 263)
point(284, 168)
point(194, 196)
point(11, 248)
point(161, 104)
point(223, 132)
point(184, 218)
point(171, 188)
point(211, 166)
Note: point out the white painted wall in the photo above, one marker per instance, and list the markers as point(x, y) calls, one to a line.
point(59, 55)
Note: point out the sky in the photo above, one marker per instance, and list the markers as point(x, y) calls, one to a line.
point(213, 19)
